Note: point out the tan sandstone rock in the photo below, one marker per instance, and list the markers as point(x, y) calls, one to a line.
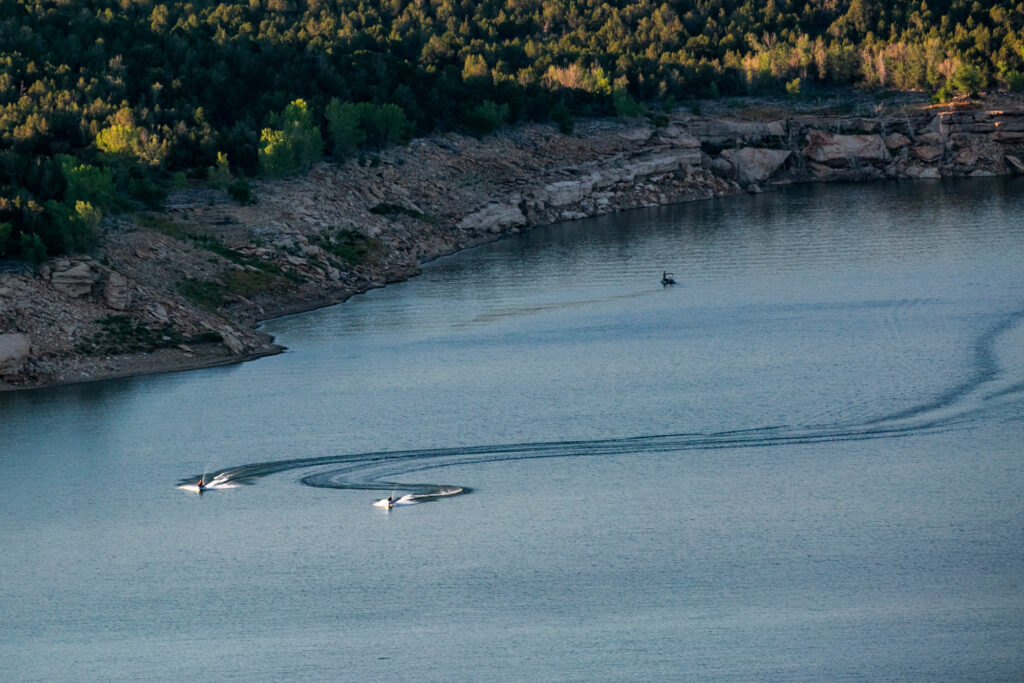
point(843, 150)
point(116, 292)
point(653, 164)
point(75, 281)
point(930, 138)
point(927, 153)
point(231, 340)
point(895, 141)
point(678, 137)
point(565, 192)
point(494, 218)
point(727, 131)
point(755, 165)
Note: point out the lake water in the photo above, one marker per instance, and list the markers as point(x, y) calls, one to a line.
point(804, 462)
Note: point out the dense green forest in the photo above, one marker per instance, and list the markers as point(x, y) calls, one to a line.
point(106, 103)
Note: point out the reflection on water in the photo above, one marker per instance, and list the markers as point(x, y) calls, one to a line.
point(802, 462)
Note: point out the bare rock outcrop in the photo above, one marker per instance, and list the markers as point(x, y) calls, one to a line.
point(494, 218)
point(116, 292)
point(721, 131)
point(1009, 127)
point(14, 351)
point(678, 137)
point(929, 154)
point(668, 161)
point(594, 182)
point(231, 340)
point(840, 151)
point(894, 141)
point(344, 228)
point(73, 280)
point(566, 192)
point(755, 165)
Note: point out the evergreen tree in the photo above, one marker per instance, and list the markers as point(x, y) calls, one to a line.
point(136, 92)
point(293, 144)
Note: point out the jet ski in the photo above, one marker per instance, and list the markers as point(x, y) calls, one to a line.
point(198, 487)
point(391, 501)
point(667, 278)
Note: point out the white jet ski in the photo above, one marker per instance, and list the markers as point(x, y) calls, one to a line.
point(218, 482)
point(391, 501)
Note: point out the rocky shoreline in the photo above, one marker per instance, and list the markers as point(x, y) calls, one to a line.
point(186, 287)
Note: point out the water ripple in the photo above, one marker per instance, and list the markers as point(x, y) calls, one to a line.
point(995, 385)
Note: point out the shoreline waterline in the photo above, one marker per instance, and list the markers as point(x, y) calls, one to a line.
point(434, 197)
point(177, 363)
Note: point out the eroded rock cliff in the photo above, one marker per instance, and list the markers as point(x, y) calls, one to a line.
point(184, 288)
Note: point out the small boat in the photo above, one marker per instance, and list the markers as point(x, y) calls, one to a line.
point(667, 278)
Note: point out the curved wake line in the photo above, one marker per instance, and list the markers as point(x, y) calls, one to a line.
point(989, 389)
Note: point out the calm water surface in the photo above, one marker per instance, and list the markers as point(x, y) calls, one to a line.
point(802, 463)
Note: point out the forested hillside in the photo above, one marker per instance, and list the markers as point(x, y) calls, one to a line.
point(103, 102)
